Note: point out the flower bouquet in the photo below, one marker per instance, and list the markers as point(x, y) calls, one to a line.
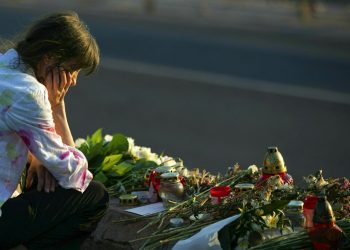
point(118, 163)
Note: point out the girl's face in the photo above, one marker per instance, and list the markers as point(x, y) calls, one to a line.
point(71, 68)
point(46, 65)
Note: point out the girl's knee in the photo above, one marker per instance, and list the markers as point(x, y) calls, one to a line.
point(100, 194)
point(97, 207)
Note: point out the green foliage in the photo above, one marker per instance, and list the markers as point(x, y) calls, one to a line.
point(122, 168)
point(110, 162)
point(144, 164)
point(101, 177)
point(118, 145)
point(93, 146)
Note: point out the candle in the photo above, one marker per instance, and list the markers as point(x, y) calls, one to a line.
point(325, 234)
point(217, 194)
point(309, 207)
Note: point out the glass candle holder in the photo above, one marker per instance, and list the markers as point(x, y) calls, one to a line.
point(155, 175)
point(294, 212)
point(309, 207)
point(217, 194)
point(171, 190)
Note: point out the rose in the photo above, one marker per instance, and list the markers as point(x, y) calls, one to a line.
point(78, 142)
point(108, 138)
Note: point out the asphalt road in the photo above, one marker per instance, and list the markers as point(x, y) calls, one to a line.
point(208, 124)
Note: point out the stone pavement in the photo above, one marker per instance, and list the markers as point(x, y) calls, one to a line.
point(110, 235)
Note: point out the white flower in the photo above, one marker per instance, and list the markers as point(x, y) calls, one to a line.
point(179, 164)
point(108, 138)
point(183, 171)
point(78, 142)
point(135, 151)
point(167, 161)
point(143, 153)
point(131, 143)
point(158, 161)
point(152, 157)
point(252, 169)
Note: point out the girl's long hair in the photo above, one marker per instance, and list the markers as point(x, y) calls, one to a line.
point(62, 37)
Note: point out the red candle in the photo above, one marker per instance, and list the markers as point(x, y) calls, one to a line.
point(325, 234)
point(309, 207)
point(218, 193)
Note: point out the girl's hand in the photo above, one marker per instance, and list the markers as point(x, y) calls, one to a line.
point(57, 83)
point(44, 178)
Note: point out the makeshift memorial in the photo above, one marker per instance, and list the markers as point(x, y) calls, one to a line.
point(266, 206)
point(261, 217)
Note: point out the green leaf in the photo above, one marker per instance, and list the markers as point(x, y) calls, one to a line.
point(94, 150)
point(110, 160)
point(101, 177)
point(95, 164)
point(84, 148)
point(143, 164)
point(122, 168)
point(118, 145)
point(274, 206)
point(96, 137)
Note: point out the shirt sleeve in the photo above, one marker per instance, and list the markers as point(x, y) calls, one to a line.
point(31, 118)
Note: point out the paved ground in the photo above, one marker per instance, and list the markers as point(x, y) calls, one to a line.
point(216, 94)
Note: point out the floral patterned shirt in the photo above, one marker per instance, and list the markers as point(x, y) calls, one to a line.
point(26, 123)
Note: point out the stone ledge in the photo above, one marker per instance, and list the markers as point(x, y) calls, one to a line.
point(111, 235)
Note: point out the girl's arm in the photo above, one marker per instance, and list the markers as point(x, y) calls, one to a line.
point(31, 117)
point(45, 179)
point(61, 124)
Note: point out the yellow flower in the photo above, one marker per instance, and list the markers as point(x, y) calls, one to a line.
point(271, 220)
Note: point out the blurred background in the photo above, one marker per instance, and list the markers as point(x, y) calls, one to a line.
point(215, 82)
